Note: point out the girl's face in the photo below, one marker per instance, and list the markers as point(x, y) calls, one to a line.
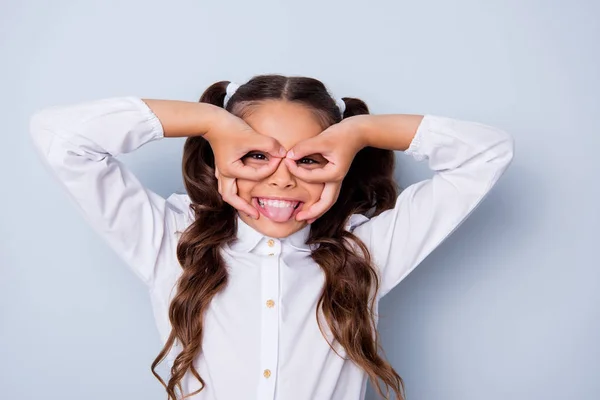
point(280, 196)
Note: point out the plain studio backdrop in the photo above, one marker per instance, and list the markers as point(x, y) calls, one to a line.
point(506, 308)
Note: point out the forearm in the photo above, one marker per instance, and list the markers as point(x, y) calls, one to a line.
point(183, 118)
point(388, 131)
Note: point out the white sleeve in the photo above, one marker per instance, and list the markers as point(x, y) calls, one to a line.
point(467, 158)
point(78, 144)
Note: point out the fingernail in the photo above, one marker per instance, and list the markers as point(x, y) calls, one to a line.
point(290, 154)
point(282, 152)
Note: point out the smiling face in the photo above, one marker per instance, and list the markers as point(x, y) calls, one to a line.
point(280, 196)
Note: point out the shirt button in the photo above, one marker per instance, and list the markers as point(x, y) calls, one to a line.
point(271, 243)
point(267, 373)
point(270, 303)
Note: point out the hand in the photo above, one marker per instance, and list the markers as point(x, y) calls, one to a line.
point(231, 139)
point(338, 144)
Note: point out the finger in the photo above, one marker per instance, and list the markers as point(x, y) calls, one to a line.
point(267, 144)
point(230, 196)
point(262, 143)
point(314, 145)
point(330, 172)
point(237, 169)
point(219, 183)
point(328, 198)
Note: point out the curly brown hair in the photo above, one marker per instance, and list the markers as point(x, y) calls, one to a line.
point(351, 281)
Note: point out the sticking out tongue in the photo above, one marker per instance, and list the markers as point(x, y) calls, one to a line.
point(276, 213)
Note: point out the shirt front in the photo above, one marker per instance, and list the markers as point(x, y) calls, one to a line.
point(261, 338)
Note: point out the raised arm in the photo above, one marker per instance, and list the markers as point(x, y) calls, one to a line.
point(79, 144)
point(468, 158)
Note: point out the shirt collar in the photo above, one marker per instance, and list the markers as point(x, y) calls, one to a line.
point(248, 238)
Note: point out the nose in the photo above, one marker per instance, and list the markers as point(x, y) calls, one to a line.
point(282, 177)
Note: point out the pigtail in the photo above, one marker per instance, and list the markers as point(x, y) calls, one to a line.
point(354, 106)
point(215, 94)
point(204, 271)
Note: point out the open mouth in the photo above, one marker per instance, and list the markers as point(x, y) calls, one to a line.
point(277, 210)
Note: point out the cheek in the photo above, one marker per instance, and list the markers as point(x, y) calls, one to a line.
point(314, 191)
point(245, 188)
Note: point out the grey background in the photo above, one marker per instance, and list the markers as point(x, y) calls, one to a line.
point(506, 308)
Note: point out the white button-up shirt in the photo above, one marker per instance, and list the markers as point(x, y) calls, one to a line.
point(261, 338)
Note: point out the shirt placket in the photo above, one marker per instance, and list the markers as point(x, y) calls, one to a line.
point(269, 337)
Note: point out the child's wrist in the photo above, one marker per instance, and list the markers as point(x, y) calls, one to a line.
point(360, 127)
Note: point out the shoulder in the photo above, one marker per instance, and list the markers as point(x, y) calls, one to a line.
point(354, 221)
point(180, 203)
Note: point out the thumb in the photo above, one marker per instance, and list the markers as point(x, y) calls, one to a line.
point(269, 145)
point(306, 147)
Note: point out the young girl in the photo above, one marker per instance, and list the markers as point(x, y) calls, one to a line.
point(265, 277)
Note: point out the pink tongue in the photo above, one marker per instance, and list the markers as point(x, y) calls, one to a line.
point(279, 214)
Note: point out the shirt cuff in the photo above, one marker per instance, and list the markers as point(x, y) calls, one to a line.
point(415, 148)
point(157, 130)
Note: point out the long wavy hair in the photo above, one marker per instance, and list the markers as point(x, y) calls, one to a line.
point(348, 296)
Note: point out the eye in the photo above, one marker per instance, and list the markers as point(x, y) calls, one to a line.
point(255, 156)
point(312, 161)
point(307, 161)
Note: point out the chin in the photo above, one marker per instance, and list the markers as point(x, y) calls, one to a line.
point(273, 229)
